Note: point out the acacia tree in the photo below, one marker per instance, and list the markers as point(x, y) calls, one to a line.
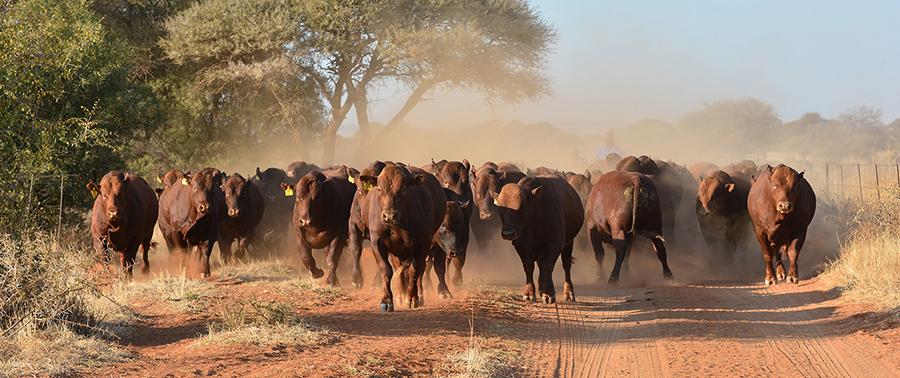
point(496, 47)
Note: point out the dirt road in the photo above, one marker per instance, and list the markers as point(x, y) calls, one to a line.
point(702, 329)
point(712, 329)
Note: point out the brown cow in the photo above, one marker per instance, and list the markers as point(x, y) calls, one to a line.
point(701, 169)
point(623, 205)
point(321, 212)
point(171, 176)
point(452, 239)
point(406, 208)
point(453, 175)
point(244, 210)
point(781, 205)
point(582, 185)
point(358, 223)
point(544, 171)
point(667, 183)
point(487, 179)
point(721, 208)
point(124, 213)
point(541, 216)
point(745, 168)
point(189, 215)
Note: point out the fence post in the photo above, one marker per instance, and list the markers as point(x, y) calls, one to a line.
point(62, 182)
point(827, 182)
point(877, 190)
point(841, 166)
point(859, 180)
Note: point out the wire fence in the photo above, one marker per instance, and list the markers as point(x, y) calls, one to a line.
point(852, 180)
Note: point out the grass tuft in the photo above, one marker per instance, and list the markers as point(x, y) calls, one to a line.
point(480, 362)
point(262, 323)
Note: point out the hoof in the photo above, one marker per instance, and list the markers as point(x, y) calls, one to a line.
point(414, 303)
point(316, 272)
point(770, 281)
point(793, 279)
point(528, 298)
point(145, 270)
point(387, 307)
point(445, 295)
point(548, 299)
point(613, 281)
point(357, 285)
point(570, 297)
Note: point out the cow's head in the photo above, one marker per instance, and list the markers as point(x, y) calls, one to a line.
point(392, 188)
point(203, 185)
point(784, 186)
point(311, 198)
point(111, 195)
point(236, 198)
point(485, 182)
point(514, 203)
point(453, 175)
point(581, 183)
point(452, 236)
point(713, 191)
point(269, 181)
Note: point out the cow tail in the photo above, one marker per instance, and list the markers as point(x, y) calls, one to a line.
point(635, 201)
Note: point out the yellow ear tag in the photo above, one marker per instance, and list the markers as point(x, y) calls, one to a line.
point(367, 186)
point(94, 193)
point(351, 179)
point(289, 192)
point(184, 181)
point(158, 180)
point(495, 203)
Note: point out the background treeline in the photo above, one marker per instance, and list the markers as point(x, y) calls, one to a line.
point(86, 86)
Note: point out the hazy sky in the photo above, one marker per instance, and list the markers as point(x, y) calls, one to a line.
point(619, 61)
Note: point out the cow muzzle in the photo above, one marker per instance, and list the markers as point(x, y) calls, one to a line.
point(234, 213)
point(784, 207)
point(509, 235)
point(203, 209)
point(303, 222)
point(112, 215)
point(389, 217)
point(484, 215)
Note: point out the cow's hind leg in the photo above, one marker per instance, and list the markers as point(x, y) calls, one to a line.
point(145, 249)
point(597, 243)
point(440, 268)
point(332, 259)
point(621, 245)
point(660, 247)
point(794, 255)
point(568, 287)
point(354, 246)
point(413, 274)
point(127, 259)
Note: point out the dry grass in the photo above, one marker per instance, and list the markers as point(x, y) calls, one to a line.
point(481, 362)
point(179, 291)
point(262, 323)
point(868, 266)
point(52, 314)
point(258, 270)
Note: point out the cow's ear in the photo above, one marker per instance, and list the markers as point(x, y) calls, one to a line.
point(587, 174)
point(466, 164)
point(258, 172)
point(464, 205)
point(729, 187)
point(769, 168)
point(91, 186)
point(536, 192)
point(473, 174)
point(801, 173)
point(700, 177)
point(419, 179)
point(434, 166)
point(366, 182)
point(159, 192)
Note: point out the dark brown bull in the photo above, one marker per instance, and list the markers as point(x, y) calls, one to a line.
point(454, 176)
point(541, 216)
point(405, 209)
point(721, 208)
point(487, 179)
point(189, 215)
point(665, 180)
point(244, 209)
point(274, 228)
point(781, 205)
point(621, 206)
point(321, 212)
point(122, 220)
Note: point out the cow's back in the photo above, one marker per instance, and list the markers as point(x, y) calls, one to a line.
point(143, 202)
point(557, 204)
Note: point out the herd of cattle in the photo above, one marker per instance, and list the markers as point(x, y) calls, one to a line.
point(418, 218)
